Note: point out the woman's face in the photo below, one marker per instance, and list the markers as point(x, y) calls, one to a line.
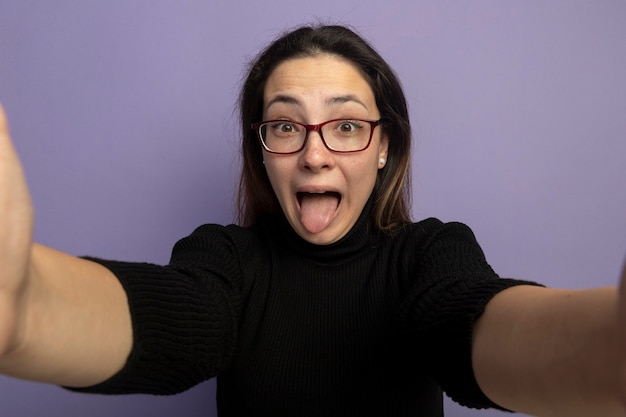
point(322, 192)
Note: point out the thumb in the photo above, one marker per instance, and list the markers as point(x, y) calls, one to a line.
point(7, 152)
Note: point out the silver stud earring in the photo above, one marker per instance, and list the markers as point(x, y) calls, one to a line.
point(381, 161)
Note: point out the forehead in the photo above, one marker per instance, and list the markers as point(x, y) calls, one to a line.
point(319, 77)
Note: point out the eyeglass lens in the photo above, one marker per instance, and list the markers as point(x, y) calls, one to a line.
point(345, 135)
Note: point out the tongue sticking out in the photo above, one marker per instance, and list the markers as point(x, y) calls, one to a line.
point(317, 210)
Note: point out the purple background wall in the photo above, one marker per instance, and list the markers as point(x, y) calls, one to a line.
point(123, 114)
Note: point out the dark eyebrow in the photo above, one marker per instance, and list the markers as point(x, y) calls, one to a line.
point(345, 99)
point(283, 98)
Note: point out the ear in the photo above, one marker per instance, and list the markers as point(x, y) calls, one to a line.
point(382, 151)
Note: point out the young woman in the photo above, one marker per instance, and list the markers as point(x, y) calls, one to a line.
point(328, 299)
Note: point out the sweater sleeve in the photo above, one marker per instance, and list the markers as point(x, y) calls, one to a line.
point(184, 316)
point(453, 285)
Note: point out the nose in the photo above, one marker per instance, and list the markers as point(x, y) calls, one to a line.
point(315, 155)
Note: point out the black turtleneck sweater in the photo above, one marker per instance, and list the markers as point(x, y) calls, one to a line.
point(375, 324)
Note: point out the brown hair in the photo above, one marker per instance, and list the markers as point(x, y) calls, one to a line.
point(392, 189)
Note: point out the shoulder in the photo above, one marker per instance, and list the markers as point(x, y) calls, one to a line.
point(431, 251)
point(212, 234)
point(218, 243)
point(431, 231)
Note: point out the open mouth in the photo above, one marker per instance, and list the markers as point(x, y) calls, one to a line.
point(318, 209)
point(319, 194)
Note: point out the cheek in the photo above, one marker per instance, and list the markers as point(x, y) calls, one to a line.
point(272, 175)
point(362, 176)
point(277, 172)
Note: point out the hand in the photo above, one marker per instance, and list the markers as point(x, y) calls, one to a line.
point(63, 320)
point(16, 225)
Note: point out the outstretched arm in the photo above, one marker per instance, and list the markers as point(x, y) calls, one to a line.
point(63, 320)
point(550, 352)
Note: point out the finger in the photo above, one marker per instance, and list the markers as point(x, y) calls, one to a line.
point(15, 204)
point(6, 147)
point(4, 126)
point(3, 119)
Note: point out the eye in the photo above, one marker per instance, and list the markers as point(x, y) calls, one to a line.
point(284, 128)
point(348, 127)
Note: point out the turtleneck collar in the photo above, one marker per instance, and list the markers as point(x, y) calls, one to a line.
point(362, 236)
